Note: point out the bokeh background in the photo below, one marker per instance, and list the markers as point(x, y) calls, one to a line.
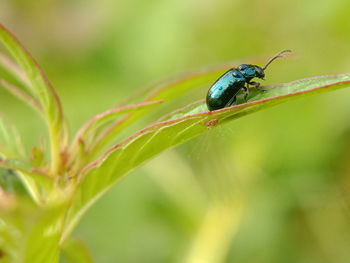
point(271, 187)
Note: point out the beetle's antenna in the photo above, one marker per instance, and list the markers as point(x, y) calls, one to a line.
point(279, 55)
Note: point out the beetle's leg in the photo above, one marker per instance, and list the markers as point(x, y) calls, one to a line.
point(256, 85)
point(246, 92)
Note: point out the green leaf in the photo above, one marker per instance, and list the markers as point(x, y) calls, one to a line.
point(99, 175)
point(42, 90)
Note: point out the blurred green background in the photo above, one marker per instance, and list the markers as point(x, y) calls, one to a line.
point(271, 187)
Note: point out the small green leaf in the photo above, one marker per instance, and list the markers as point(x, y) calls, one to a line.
point(99, 175)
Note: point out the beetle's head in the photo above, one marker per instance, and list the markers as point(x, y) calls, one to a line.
point(251, 71)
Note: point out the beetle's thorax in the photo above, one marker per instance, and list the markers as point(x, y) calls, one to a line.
point(251, 71)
